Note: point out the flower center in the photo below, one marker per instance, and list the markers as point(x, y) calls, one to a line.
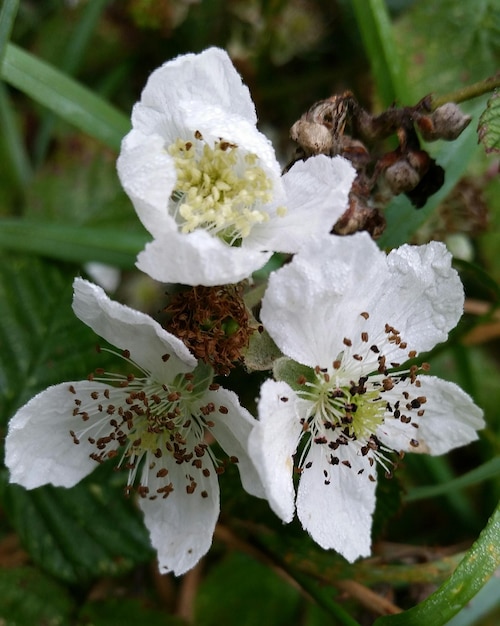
point(220, 189)
point(155, 425)
point(349, 402)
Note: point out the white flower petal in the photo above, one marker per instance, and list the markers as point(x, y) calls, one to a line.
point(315, 301)
point(337, 515)
point(198, 259)
point(317, 192)
point(232, 430)
point(209, 78)
point(181, 526)
point(131, 330)
point(215, 124)
point(272, 445)
point(422, 297)
point(451, 419)
point(147, 173)
point(39, 449)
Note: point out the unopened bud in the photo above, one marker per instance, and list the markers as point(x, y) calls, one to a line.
point(312, 137)
point(446, 122)
point(401, 177)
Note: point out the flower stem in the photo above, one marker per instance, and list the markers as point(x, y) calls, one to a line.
point(467, 93)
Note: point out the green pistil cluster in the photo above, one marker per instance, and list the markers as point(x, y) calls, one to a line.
point(218, 189)
point(357, 409)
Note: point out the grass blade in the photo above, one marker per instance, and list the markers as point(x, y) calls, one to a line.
point(380, 47)
point(64, 96)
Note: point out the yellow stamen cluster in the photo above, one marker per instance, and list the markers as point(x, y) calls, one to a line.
point(219, 188)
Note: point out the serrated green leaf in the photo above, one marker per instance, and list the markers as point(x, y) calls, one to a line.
point(472, 573)
point(30, 598)
point(488, 129)
point(81, 533)
point(41, 341)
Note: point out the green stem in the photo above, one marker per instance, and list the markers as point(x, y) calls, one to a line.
point(467, 93)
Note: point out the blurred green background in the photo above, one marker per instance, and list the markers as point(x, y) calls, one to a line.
point(82, 556)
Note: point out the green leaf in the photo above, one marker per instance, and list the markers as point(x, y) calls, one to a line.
point(65, 97)
point(41, 341)
point(81, 533)
point(385, 59)
point(472, 573)
point(92, 529)
point(220, 603)
point(124, 612)
point(78, 244)
point(488, 129)
point(30, 598)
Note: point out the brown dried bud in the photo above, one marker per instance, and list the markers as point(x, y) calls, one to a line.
point(312, 137)
point(360, 215)
point(446, 122)
point(401, 177)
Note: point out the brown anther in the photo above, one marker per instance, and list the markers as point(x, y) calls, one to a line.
point(214, 386)
point(414, 443)
point(364, 336)
point(72, 389)
point(346, 463)
point(337, 364)
point(347, 342)
point(204, 494)
point(126, 354)
point(387, 384)
point(301, 380)
point(283, 399)
point(358, 357)
point(223, 409)
point(412, 354)
point(365, 315)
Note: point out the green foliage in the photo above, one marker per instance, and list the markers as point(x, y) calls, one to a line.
point(82, 533)
point(61, 206)
point(489, 124)
point(474, 571)
point(24, 592)
point(41, 342)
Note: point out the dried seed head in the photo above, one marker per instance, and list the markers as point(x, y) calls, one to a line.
point(213, 323)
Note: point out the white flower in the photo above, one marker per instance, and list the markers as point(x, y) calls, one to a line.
point(349, 316)
point(206, 183)
point(153, 422)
